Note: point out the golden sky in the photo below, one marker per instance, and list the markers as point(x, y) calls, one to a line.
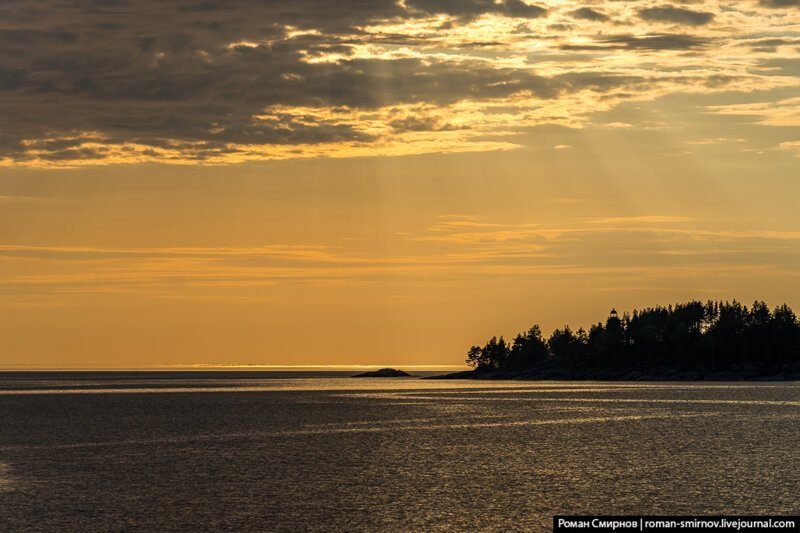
point(330, 183)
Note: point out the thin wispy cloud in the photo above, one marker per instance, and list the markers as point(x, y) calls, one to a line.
point(466, 247)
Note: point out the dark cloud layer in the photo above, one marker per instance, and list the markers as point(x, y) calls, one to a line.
point(474, 8)
point(587, 13)
point(780, 3)
point(192, 76)
point(675, 15)
point(648, 42)
point(208, 77)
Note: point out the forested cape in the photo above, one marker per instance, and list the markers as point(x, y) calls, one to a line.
point(694, 340)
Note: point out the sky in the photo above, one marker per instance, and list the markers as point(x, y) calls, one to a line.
point(311, 182)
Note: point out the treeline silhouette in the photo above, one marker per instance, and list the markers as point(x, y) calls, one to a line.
point(702, 337)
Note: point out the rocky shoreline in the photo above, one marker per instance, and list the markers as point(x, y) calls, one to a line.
point(551, 372)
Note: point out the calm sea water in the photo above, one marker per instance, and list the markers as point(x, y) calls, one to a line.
point(82, 452)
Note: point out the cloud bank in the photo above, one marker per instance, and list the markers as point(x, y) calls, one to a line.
point(124, 81)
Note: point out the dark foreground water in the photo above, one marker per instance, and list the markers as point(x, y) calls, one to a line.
point(187, 452)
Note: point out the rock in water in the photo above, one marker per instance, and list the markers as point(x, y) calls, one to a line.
point(384, 373)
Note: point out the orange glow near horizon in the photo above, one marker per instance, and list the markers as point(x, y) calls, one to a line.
point(388, 187)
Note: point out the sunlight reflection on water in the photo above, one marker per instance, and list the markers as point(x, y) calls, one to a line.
point(5, 482)
point(332, 454)
point(441, 387)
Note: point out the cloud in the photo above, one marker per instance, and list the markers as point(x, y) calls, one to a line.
point(464, 246)
point(645, 42)
point(647, 219)
point(17, 198)
point(770, 44)
point(587, 13)
point(780, 3)
point(473, 8)
point(793, 146)
point(675, 15)
point(780, 113)
point(88, 82)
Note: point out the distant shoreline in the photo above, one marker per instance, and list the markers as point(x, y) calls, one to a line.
point(553, 373)
point(195, 375)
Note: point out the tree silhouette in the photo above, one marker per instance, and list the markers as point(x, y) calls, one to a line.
point(703, 337)
point(529, 348)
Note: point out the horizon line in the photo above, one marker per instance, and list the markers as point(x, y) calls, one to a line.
point(203, 366)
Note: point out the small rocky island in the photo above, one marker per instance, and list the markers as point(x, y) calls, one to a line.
point(384, 373)
point(714, 341)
